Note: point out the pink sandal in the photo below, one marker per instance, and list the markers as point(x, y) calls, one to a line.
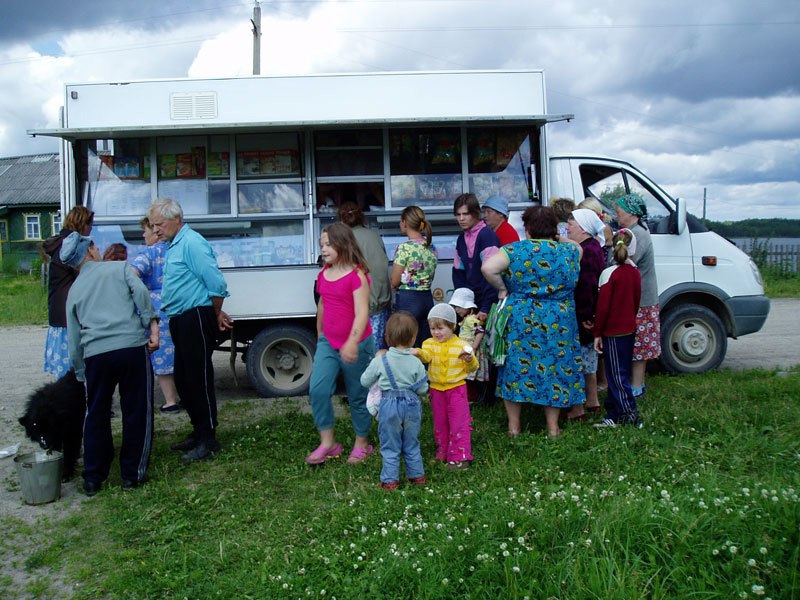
point(321, 454)
point(359, 455)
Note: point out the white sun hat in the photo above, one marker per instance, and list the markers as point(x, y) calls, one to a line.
point(463, 298)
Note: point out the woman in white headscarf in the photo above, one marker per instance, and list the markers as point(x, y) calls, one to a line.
point(586, 228)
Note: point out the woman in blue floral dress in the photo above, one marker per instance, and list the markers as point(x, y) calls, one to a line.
point(543, 363)
point(149, 266)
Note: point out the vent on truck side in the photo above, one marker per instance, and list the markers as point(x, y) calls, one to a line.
point(195, 105)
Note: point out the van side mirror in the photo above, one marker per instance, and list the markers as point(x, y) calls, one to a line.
point(681, 214)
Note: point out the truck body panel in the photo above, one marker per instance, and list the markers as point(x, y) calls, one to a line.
point(260, 163)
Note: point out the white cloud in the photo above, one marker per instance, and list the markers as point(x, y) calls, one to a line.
point(707, 104)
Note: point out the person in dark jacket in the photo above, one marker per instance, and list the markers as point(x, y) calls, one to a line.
point(59, 281)
point(476, 243)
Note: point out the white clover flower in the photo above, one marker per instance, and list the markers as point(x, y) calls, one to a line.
point(322, 592)
point(285, 586)
point(515, 569)
point(445, 581)
point(758, 590)
point(715, 552)
point(762, 550)
point(503, 546)
point(520, 540)
point(588, 542)
point(511, 524)
point(733, 549)
point(571, 545)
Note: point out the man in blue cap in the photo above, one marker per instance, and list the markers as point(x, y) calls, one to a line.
point(495, 215)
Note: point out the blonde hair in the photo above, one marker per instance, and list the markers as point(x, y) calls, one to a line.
point(414, 218)
point(593, 204)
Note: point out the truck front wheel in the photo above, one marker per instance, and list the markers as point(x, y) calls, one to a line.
point(693, 339)
point(279, 361)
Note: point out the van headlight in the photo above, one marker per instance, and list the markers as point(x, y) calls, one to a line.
point(756, 273)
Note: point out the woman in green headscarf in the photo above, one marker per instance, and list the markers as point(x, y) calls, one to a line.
point(631, 210)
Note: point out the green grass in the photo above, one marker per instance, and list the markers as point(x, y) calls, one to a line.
point(23, 300)
point(780, 283)
point(702, 503)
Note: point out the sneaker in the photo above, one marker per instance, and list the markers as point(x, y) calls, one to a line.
point(458, 465)
point(188, 443)
point(605, 423)
point(321, 454)
point(391, 485)
point(417, 480)
point(205, 449)
point(172, 408)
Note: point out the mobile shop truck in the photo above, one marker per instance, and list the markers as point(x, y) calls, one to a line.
point(259, 165)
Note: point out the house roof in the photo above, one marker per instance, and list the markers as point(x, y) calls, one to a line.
point(29, 180)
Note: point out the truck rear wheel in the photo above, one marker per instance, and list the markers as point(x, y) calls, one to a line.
point(693, 339)
point(279, 361)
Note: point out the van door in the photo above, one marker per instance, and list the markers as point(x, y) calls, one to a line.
point(607, 180)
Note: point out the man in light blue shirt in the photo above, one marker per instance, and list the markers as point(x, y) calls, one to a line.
point(192, 295)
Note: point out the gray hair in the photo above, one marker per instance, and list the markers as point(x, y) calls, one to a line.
point(166, 208)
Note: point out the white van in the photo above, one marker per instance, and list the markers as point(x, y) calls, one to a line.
point(260, 163)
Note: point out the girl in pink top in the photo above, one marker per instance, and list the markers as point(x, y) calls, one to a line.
point(344, 342)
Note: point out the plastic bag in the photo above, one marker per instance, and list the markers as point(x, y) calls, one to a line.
point(374, 399)
point(495, 344)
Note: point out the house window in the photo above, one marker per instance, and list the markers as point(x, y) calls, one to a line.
point(3, 231)
point(32, 227)
point(55, 223)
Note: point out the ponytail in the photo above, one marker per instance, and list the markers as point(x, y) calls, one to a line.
point(621, 241)
point(414, 218)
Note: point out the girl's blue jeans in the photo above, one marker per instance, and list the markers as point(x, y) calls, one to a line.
point(399, 421)
point(326, 367)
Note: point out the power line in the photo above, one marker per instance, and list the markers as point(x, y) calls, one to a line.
point(437, 29)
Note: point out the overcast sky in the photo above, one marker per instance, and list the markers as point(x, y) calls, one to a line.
point(696, 94)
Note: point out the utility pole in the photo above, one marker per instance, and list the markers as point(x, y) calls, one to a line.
point(704, 204)
point(256, 21)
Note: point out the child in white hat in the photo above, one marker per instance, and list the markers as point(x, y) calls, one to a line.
point(471, 330)
point(449, 361)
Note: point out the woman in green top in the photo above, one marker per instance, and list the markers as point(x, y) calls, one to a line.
point(413, 267)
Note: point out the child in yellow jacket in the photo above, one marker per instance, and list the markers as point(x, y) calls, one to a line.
point(449, 361)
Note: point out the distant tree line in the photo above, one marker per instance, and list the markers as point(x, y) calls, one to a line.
point(756, 228)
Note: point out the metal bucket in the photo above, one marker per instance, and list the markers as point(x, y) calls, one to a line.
point(40, 476)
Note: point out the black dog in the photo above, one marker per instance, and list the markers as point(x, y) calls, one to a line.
point(54, 418)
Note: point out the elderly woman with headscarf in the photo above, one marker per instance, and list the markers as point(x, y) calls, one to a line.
point(631, 210)
point(586, 228)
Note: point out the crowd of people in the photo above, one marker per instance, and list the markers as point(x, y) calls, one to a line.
point(571, 291)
